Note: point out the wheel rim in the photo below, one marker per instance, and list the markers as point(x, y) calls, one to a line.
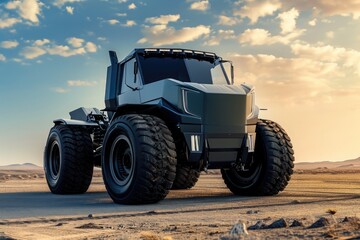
point(122, 162)
point(54, 160)
point(251, 175)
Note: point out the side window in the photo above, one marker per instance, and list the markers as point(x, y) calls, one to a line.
point(124, 87)
point(130, 81)
point(129, 72)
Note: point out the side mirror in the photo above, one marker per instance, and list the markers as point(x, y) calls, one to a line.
point(226, 70)
point(232, 74)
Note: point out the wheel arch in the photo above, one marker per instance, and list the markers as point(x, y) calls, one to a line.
point(71, 122)
point(163, 110)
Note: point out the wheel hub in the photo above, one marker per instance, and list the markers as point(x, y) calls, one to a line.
point(54, 160)
point(121, 160)
point(248, 172)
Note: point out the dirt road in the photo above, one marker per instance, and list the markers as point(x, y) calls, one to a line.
point(208, 211)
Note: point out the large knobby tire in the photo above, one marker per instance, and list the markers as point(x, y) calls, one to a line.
point(68, 160)
point(138, 159)
point(271, 167)
point(186, 177)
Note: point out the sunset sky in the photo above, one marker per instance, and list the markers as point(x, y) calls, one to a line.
point(303, 57)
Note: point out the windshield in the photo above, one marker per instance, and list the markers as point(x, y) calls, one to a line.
point(182, 69)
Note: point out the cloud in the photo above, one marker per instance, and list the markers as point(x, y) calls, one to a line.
point(81, 83)
point(221, 35)
point(322, 53)
point(163, 19)
point(9, 44)
point(75, 42)
point(213, 41)
point(90, 47)
point(65, 51)
point(27, 9)
point(313, 22)
point(129, 23)
point(257, 36)
point(159, 35)
point(77, 46)
point(142, 40)
point(32, 52)
point(227, 21)
point(254, 9)
point(2, 58)
point(121, 14)
point(347, 59)
point(75, 83)
point(288, 20)
point(41, 42)
point(289, 81)
point(70, 10)
point(330, 34)
point(200, 5)
point(317, 74)
point(61, 90)
point(132, 6)
point(162, 34)
point(113, 21)
point(8, 22)
point(60, 3)
point(328, 7)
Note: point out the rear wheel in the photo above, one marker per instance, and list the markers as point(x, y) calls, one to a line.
point(138, 160)
point(186, 177)
point(68, 160)
point(271, 166)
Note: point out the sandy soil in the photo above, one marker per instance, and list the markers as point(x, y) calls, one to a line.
point(208, 211)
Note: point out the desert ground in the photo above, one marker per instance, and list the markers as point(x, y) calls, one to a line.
point(318, 203)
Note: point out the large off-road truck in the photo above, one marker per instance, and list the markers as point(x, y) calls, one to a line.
point(169, 114)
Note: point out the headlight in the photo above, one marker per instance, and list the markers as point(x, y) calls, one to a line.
point(191, 101)
point(250, 104)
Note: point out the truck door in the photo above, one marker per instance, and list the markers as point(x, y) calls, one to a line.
point(131, 83)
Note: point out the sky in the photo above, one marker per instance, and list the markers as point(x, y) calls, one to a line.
point(303, 57)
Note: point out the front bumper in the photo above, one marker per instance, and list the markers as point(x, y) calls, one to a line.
point(217, 150)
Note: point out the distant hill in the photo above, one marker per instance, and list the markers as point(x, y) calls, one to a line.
point(24, 166)
point(347, 164)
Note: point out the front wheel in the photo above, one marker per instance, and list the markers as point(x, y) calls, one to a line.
point(271, 166)
point(138, 160)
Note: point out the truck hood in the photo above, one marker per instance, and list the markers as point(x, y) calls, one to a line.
point(217, 89)
point(214, 105)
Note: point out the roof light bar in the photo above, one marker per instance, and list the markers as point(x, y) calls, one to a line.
point(177, 51)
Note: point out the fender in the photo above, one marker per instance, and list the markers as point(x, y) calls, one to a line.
point(71, 122)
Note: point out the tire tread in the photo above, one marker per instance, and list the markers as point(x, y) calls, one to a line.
point(158, 153)
point(77, 162)
point(278, 165)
